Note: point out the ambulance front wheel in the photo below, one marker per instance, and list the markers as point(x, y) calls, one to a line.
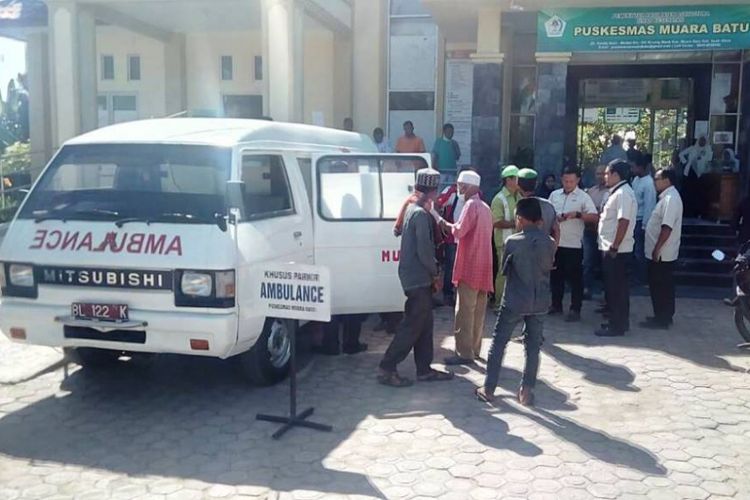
point(268, 361)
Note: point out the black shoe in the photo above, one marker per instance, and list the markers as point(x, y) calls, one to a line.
point(355, 349)
point(606, 332)
point(457, 360)
point(652, 319)
point(573, 317)
point(553, 311)
point(605, 326)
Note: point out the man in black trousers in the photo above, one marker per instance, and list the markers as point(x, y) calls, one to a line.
point(616, 227)
point(663, 234)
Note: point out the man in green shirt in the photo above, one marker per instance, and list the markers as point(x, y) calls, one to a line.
point(504, 219)
point(445, 155)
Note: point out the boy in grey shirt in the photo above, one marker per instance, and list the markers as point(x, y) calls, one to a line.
point(527, 262)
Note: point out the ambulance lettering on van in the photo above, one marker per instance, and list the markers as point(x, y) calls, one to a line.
point(156, 229)
point(138, 243)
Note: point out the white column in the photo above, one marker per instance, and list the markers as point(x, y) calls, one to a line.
point(73, 69)
point(175, 78)
point(369, 65)
point(342, 79)
point(40, 112)
point(283, 58)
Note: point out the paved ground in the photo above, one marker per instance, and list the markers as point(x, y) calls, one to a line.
point(651, 415)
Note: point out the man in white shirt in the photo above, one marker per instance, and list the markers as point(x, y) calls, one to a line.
point(381, 142)
point(574, 208)
point(614, 152)
point(616, 226)
point(663, 234)
point(645, 197)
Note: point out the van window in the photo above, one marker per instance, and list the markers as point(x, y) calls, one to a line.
point(267, 192)
point(156, 182)
point(364, 188)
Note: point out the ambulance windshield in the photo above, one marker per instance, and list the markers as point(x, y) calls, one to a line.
point(133, 182)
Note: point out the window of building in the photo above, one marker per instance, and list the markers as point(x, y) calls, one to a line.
point(108, 67)
point(243, 106)
point(227, 68)
point(523, 83)
point(258, 64)
point(267, 192)
point(116, 108)
point(134, 68)
point(368, 188)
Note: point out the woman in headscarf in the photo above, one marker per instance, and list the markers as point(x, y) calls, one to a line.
point(697, 161)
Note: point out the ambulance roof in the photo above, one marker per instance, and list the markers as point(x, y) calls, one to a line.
point(228, 132)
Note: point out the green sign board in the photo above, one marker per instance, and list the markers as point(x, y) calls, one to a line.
point(644, 29)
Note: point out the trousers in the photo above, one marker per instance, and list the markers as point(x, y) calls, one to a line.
point(506, 323)
point(617, 289)
point(414, 332)
point(448, 262)
point(471, 307)
point(639, 253)
point(499, 278)
point(568, 269)
point(592, 261)
point(662, 288)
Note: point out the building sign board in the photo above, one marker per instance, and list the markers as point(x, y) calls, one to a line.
point(459, 95)
point(633, 29)
point(295, 291)
point(622, 115)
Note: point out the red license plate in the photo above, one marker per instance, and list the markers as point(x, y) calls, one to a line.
point(103, 312)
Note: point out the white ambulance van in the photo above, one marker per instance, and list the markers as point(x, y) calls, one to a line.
point(143, 237)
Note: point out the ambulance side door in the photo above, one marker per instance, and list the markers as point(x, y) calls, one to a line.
point(356, 199)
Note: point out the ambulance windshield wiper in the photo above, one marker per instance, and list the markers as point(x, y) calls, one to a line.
point(217, 219)
point(65, 215)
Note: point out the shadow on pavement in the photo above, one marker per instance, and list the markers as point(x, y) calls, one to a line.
point(595, 371)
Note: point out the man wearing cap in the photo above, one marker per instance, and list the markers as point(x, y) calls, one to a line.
point(418, 273)
point(503, 208)
point(472, 271)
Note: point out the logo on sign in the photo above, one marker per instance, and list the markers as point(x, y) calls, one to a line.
point(555, 27)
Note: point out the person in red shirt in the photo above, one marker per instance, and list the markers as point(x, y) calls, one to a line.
point(472, 271)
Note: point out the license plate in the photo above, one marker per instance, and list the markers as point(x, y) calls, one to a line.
point(102, 312)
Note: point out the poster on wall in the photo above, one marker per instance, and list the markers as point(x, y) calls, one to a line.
point(622, 115)
point(630, 29)
point(459, 99)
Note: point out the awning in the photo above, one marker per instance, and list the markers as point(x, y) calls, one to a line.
point(22, 14)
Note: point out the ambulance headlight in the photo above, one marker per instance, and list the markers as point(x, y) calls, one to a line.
point(17, 280)
point(204, 288)
point(196, 284)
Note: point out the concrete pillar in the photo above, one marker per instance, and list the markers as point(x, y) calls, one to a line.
point(40, 111)
point(283, 53)
point(175, 77)
point(549, 126)
point(73, 69)
point(342, 78)
point(369, 49)
point(487, 105)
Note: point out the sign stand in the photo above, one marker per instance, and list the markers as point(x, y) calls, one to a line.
point(294, 419)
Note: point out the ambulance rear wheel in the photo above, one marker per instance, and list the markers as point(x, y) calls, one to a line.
point(89, 357)
point(268, 361)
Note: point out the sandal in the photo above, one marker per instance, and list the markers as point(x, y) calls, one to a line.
point(393, 379)
point(435, 376)
point(482, 395)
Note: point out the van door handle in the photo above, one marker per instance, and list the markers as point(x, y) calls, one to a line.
point(297, 235)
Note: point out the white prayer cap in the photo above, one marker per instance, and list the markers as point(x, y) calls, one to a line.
point(469, 177)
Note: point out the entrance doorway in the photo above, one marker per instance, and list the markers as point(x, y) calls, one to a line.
point(651, 113)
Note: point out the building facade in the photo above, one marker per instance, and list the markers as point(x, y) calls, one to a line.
point(530, 82)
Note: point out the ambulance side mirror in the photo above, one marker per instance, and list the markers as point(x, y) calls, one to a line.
point(235, 200)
